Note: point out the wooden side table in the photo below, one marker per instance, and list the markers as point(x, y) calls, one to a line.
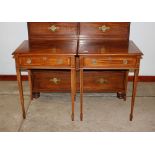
point(117, 55)
point(43, 57)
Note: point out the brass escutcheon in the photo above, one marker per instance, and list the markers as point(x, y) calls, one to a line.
point(104, 28)
point(28, 61)
point(94, 61)
point(102, 81)
point(59, 61)
point(125, 62)
point(55, 80)
point(53, 28)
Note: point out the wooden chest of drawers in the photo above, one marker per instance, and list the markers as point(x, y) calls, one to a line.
point(50, 32)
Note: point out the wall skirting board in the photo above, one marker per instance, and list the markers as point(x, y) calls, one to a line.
point(25, 78)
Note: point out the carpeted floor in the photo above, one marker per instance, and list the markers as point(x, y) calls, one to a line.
point(51, 112)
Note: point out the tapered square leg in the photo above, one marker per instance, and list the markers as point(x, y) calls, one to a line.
point(30, 83)
point(81, 94)
point(73, 91)
point(21, 91)
point(136, 72)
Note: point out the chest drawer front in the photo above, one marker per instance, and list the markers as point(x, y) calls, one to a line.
point(35, 61)
point(100, 81)
point(109, 62)
point(94, 81)
point(51, 80)
point(48, 30)
point(105, 30)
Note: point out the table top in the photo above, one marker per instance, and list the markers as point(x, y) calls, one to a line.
point(108, 48)
point(54, 48)
point(90, 47)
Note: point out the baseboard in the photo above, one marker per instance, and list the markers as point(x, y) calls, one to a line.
point(12, 77)
point(143, 78)
point(25, 78)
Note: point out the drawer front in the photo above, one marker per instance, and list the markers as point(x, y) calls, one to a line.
point(105, 30)
point(94, 81)
point(101, 81)
point(47, 30)
point(109, 62)
point(51, 81)
point(43, 61)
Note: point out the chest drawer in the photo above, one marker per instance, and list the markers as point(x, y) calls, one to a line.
point(109, 62)
point(48, 30)
point(43, 61)
point(105, 30)
point(94, 81)
point(51, 80)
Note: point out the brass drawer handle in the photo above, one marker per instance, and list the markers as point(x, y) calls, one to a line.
point(55, 80)
point(94, 61)
point(44, 58)
point(59, 61)
point(102, 81)
point(53, 28)
point(125, 62)
point(104, 28)
point(28, 61)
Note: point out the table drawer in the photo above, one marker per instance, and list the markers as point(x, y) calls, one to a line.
point(53, 61)
point(107, 30)
point(109, 62)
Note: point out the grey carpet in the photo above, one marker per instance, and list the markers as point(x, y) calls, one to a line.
point(102, 111)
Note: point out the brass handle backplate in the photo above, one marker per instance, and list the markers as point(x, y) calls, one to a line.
point(125, 62)
point(53, 28)
point(102, 81)
point(55, 80)
point(59, 61)
point(29, 61)
point(94, 61)
point(104, 28)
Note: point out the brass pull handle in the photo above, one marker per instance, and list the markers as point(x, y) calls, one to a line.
point(44, 58)
point(102, 81)
point(55, 80)
point(53, 28)
point(125, 62)
point(29, 61)
point(59, 61)
point(94, 61)
point(104, 28)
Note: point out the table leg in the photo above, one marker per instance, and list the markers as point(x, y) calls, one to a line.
point(136, 72)
point(21, 91)
point(73, 91)
point(30, 83)
point(81, 94)
point(75, 85)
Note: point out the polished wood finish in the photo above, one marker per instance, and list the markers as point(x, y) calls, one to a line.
point(21, 91)
point(41, 31)
point(29, 58)
point(85, 57)
point(136, 72)
point(114, 31)
point(115, 57)
point(81, 94)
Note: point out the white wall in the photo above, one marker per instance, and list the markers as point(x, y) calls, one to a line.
point(12, 34)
